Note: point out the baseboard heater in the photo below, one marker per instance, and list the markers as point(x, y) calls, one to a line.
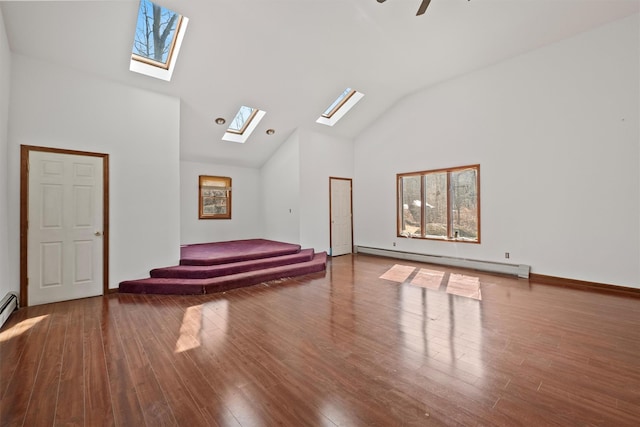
point(7, 306)
point(519, 270)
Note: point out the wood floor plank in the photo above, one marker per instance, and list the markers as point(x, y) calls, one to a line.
point(41, 410)
point(344, 348)
point(155, 408)
point(126, 407)
point(98, 405)
point(15, 338)
point(70, 408)
point(19, 388)
point(176, 384)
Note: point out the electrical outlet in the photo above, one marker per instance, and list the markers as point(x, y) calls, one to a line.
point(506, 255)
point(394, 243)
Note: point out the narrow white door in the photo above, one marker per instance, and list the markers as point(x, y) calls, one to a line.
point(341, 219)
point(64, 255)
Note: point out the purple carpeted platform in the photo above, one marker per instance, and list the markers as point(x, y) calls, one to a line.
point(160, 285)
point(234, 251)
point(207, 271)
point(217, 267)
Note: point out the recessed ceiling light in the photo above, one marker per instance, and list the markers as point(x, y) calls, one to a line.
point(220, 121)
point(270, 131)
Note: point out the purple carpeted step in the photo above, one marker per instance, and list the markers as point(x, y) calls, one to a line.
point(223, 283)
point(234, 251)
point(220, 284)
point(207, 271)
point(161, 286)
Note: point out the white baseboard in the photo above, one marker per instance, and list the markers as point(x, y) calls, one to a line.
point(520, 270)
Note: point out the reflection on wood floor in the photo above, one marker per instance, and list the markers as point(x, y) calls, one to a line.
point(463, 285)
point(345, 348)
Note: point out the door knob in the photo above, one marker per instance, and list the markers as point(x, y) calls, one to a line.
point(97, 233)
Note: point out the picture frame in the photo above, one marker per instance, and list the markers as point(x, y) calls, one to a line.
point(214, 197)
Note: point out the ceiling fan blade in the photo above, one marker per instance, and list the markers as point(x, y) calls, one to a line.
point(423, 7)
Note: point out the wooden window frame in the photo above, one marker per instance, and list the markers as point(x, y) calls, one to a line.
point(245, 125)
point(208, 190)
point(162, 65)
point(451, 233)
point(339, 105)
point(174, 40)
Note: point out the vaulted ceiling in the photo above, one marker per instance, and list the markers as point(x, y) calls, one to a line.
point(291, 58)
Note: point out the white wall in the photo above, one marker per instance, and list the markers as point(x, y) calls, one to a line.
point(7, 283)
point(280, 185)
point(295, 186)
point(321, 157)
point(556, 133)
point(58, 107)
point(246, 213)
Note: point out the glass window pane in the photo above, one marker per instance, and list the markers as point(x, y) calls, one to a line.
point(339, 101)
point(442, 204)
point(436, 204)
point(242, 119)
point(155, 32)
point(464, 204)
point(411, 207)
point(215, 197)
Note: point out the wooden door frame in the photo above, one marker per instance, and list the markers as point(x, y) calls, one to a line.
point(25, 151)
point(331, 211)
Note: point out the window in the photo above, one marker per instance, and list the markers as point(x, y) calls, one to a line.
point(242, 119)
point(159, 33)
point(214, 197)
point(340, 106)
point(441, 204)
point(244, 122)
point(339, 102)
point(155, 34)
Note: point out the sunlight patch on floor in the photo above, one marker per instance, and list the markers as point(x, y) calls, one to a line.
point(430, 279)
point(465, 286)
point(398, 273)
point(456, 284)
point(190, 330)
point(20, 328)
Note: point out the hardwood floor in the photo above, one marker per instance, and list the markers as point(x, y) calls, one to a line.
point(345, 348)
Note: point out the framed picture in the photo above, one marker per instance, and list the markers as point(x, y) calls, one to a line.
point(214, 198)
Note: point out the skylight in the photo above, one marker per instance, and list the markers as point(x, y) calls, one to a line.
point(338, 108)
point(244, 122)
point(159, 34)
point(242, 119)
point(340, 100)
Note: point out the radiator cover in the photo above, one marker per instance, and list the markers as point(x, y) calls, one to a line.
point(7, 306)
point(520, 270)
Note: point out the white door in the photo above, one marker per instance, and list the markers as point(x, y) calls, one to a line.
point(341, 221)
point(64, 255)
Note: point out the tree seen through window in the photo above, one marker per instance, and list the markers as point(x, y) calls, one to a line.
point(155, 33)
point(440, 204)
